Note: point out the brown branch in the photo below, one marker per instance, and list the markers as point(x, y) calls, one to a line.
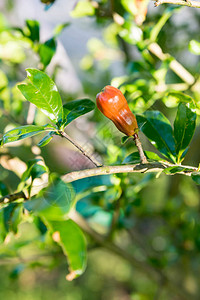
point(155, 167)
point(92, 159)
point(195, 4)
point(13, 197)
point(137, 168)
point(138, 144)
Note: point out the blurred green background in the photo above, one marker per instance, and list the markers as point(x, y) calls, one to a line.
point(156, 220)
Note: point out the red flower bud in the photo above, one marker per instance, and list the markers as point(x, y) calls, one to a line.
point(112, 103)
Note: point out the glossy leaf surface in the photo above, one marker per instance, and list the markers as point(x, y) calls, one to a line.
point(47, 51)
point(46, 139)
point(158, 130)
point(21, 133)
point(184, 127)
point(42, 91)
point(77, 108)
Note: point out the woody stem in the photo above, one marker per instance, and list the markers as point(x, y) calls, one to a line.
point(140, 150)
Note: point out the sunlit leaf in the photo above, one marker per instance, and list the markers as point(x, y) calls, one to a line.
point(47, 51)
point(70, 237)
point(131, 33)
point(46, 139)
point(42, 91)
point(34, 29)
point(21, 133)
point(83, 8)
point(178, 97)
point(59, 28)
point(194, 47)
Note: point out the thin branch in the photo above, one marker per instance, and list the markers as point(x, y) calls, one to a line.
point(195, 4)
point(92, 159)
point(137, 168)
point(13, 197)
point(174, 65)
point(155, 167)
point(138, 144)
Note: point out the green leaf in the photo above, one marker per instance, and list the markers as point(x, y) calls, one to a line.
point(12, 216)
point(196, 177)
point(70, 237)
point(3, 189)
point(184, 127)
point(30, 164)
point(22, 132)
point(77, 108)
point(173, 170)
point(83, 9)
point(177, 97)
point(131, 33)
point(53, 202)
point(158, 130)
point(59, 28)
point(34, 28)
point(42, 91)
point(47, 51)
point(46, 139)
point(134, 157)
point(125, 138)
point(194, 47)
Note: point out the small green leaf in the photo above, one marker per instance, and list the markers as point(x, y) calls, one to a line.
point(21, 133)
point(83, 9)
point(70, 237)
point(34, 28)
point(131, 33)
point(42, 91)
point(184, 127)
point(59, 28)
point(196, 177)
point(53, 202)
point(25, 176)
point(47, 51)
point(125, 138)
point(12, 216)
point(177, 97)
point(46, 139)
point(3, 189)
point(173, 170)
point(77, 108)
point(158, 130)
point(194, 47)
point(134, 157)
